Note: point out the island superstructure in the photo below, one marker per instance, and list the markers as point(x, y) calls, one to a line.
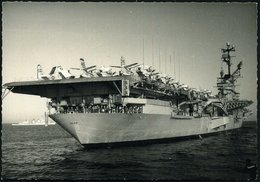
point(133, 103)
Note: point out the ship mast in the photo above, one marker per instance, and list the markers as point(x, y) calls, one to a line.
point(226, 56)
point(226, 82)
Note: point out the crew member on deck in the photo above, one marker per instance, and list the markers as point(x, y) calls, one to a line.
point(83, 106)
point(191, 109)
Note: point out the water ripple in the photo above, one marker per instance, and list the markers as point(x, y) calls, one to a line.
point(50, 153)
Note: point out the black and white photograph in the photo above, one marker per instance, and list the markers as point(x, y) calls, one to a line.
point(129, 91)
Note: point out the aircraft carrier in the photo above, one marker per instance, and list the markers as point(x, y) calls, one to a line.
point(134, 103)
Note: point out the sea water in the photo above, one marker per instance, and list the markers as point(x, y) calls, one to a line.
point(39, 152)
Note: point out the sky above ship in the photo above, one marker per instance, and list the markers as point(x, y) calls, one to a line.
point(183, 40)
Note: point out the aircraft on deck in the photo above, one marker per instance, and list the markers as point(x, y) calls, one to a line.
point(63, 73)
point(126, 69)
point(147, 72)
point(103, 71)
point(41, 76)
point(57, 72)
point(87, 72)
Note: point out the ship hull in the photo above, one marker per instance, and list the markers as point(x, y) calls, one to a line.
point(99, 129)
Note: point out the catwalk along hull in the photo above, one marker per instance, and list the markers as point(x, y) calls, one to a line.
point(103, 128)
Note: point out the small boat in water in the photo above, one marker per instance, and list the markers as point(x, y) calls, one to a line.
point(34, 122)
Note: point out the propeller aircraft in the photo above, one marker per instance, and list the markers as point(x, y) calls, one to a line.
point(87, 71)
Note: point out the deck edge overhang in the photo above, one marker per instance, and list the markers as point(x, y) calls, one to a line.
point(42, 87)
point(64, 81)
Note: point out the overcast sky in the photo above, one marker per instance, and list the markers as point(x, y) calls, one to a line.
point(53, 34)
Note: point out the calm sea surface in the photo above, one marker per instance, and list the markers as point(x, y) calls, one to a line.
point(39, 152)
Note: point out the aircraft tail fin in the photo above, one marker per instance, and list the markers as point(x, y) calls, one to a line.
point(39, 71)
point(82, 63)
point(40, 74)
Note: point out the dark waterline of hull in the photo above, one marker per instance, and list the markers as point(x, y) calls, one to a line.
point(152, 141)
